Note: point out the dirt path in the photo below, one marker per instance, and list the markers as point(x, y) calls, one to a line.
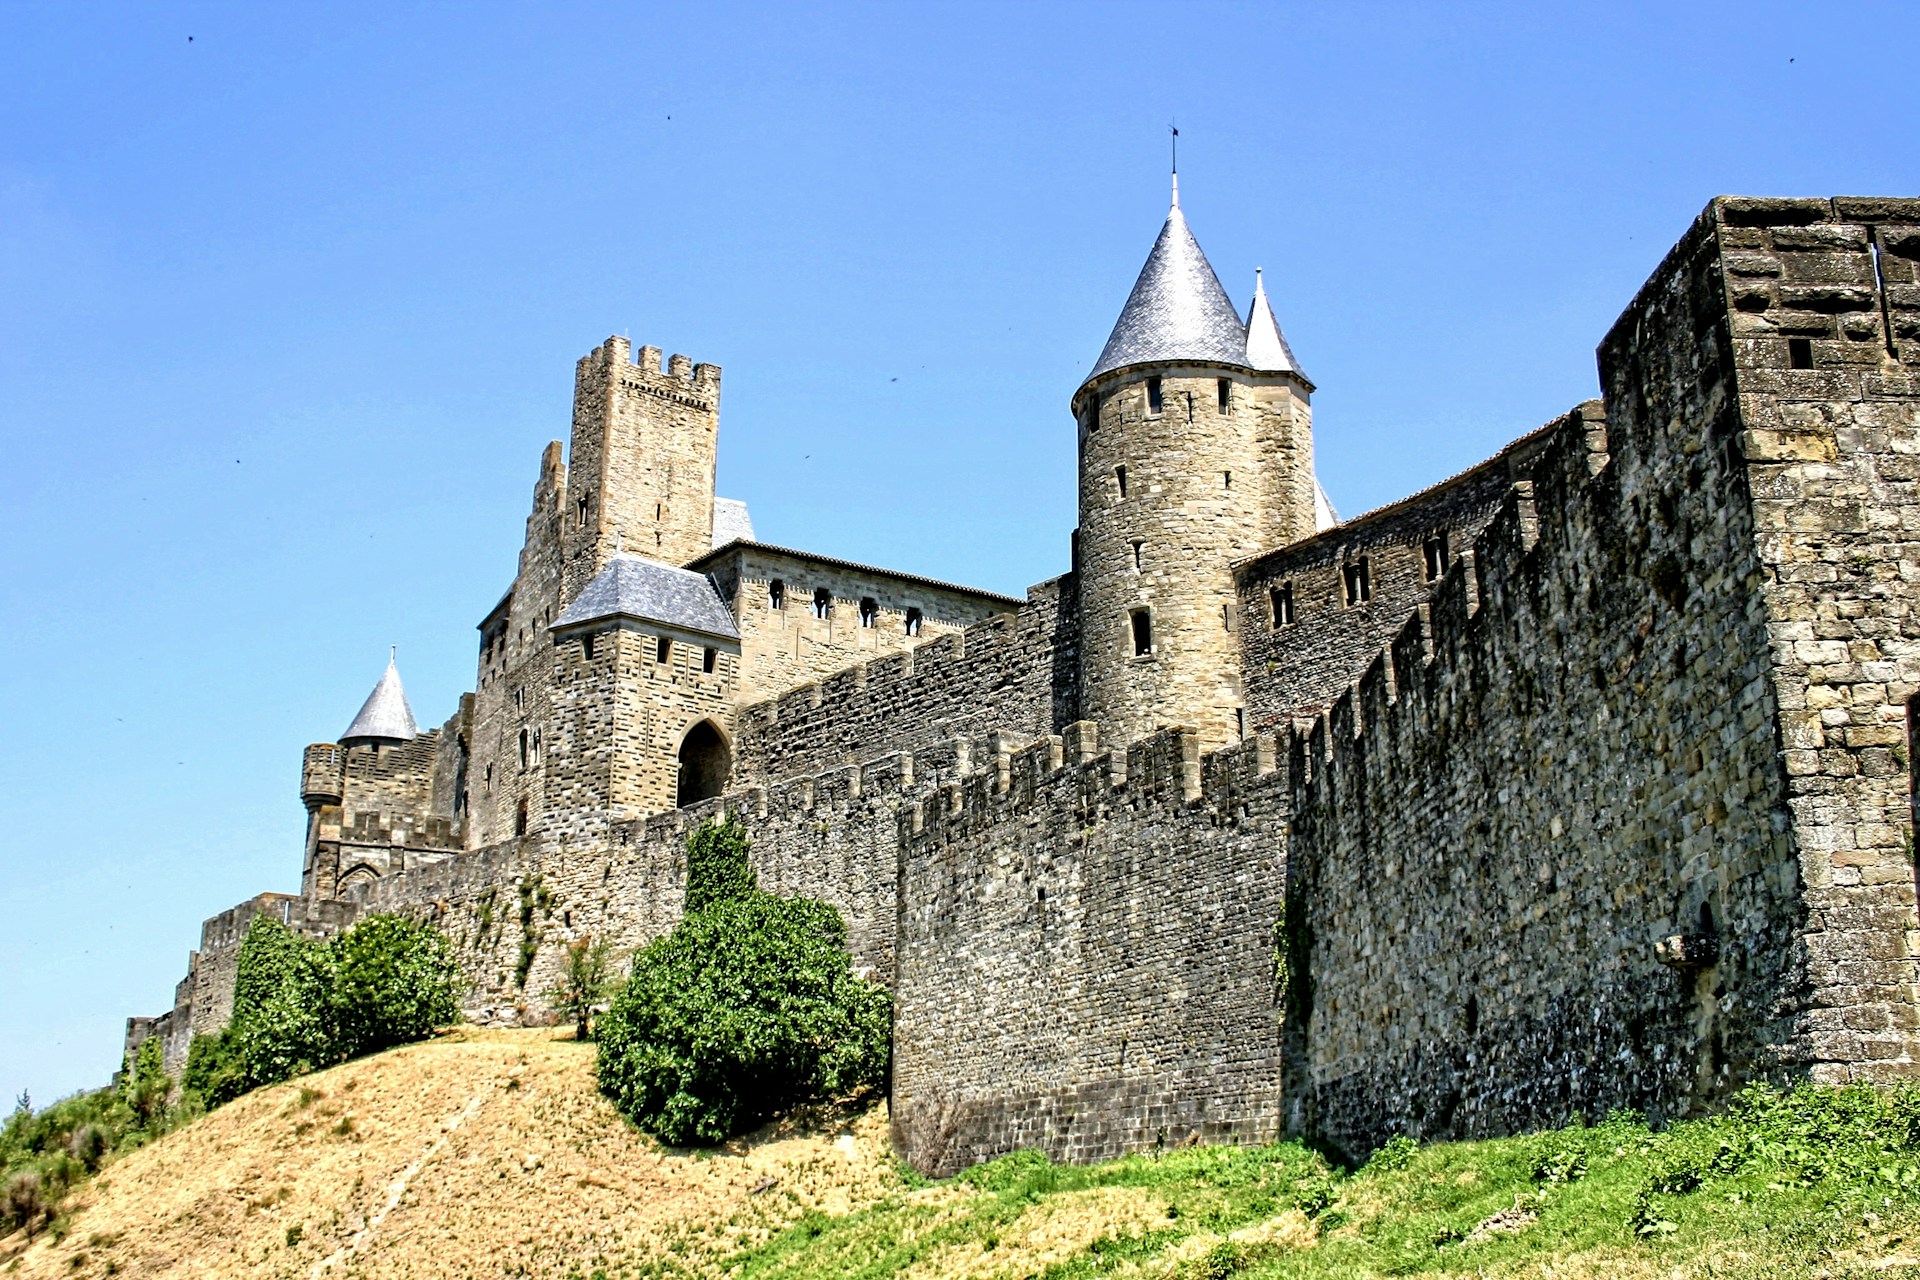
point(485, 1153)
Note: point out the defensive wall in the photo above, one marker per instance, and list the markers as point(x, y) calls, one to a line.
point(1576, 841)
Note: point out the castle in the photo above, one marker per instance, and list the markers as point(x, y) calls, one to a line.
point(1582, 779)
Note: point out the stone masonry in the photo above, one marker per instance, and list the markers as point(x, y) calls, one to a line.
point(1582, 779)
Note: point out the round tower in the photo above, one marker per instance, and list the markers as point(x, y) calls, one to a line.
point(1196, 450)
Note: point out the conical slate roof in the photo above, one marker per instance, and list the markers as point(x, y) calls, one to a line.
point(1177, 310)
point(386, 715)
point(1267, 349)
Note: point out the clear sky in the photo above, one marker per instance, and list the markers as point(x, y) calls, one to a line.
point(290, 299)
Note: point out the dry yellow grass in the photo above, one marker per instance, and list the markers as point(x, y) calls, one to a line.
point(483, 1153)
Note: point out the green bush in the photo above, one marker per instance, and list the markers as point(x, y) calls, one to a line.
point(586, 980)
point(717, 866)
point(393, 984)
point(749, 1006)
point(300, 1004)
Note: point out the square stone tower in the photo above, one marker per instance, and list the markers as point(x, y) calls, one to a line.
point(641, 467)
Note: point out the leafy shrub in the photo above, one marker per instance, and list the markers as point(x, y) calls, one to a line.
point(749, 1006)
point(144, 1083)
point(26, 1203)
point(586, 980)
point(717, 866)
point(89, 1145)
point(300, 1004)
point(393, 984)
point(215, 1072)
point(1394, 1155)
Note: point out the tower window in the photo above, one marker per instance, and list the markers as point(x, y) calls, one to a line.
point(586, 647)
point(1139, 555)
point(656, 511)
point(709, 659)
point(1226, 395)
point(1120, 478)
point(519, 699)
point(913, 622)
point(869, 612)
point(1281, 598)
point(1434, 552)
point(1226, 479)
point(1155, 403)
point(776, 594)
point(1141, 621)
point(526, 749)
point(822, 603)
point(1358, 581)
point(1800, 353)
point(662, 649)
point(520, 819)
point(580, 513)
point(486, 784)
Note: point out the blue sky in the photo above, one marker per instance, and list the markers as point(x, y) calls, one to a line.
point(290, 298)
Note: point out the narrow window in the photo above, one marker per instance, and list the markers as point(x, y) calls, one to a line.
point(1240, 720)
point(1142, 620)
point(656, 511)
point(1358, 581)
point(662, 649)
point(1120, 478)
point(1281, 598)
point(869, 612)
point(520, 819)
point(776, 594)
point(536, 746)
point(1800, 353)
point(709, 659)
point(1226, 479)
point(1434, 551)
point(1093, 413)
point(519, 699)
point(1226, 616)
point(822, 603)
point(1155, 403)
point(586, 647)
point(580, 514)
point(526, 757)
point(1226, 395)
point(913, 622)
point(486, 784)
point(1138, 555)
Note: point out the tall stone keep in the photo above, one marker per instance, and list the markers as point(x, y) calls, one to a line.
point(641, 467)
point(1196, 450)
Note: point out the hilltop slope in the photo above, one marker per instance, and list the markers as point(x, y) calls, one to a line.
point(483, 1153)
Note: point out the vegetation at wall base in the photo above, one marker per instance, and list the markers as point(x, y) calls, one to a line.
point(300, 1004)
point(748, 1007)
point(1814, 1182)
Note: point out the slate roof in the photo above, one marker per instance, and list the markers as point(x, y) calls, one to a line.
point(1177, 310)
point(645, 590)
point(731, 523)
point(385, 715)
point(1267, 348)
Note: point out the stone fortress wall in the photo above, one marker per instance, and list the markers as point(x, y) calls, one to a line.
point(1608, 803)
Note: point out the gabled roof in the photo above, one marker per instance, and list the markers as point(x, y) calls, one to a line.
point(731, 523)
point(385, 716)
point(1177, 310)
point(1267, 349)
point(645, 590)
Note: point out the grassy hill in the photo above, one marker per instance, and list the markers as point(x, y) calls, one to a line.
point(489, 1153)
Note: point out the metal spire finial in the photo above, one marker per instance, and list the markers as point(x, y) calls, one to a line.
point(1175, 142)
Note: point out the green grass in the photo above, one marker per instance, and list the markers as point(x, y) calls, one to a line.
point(1816, 1182)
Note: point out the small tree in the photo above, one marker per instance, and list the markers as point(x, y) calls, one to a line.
point(283, 1010)
point(145, 1084)
point(585, 981)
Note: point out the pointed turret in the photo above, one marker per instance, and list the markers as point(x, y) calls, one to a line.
point(385, 717)
point(1177, 310)
point(1267, 348)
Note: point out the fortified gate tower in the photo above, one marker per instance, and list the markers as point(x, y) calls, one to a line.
point(1196, 450)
